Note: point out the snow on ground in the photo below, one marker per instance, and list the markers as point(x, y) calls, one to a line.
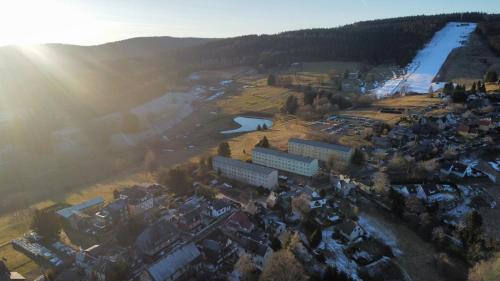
point(225, 82)
point(248, 124)
point(426, 64)
point(216, 95)
point(378, 231)
point(340, 260)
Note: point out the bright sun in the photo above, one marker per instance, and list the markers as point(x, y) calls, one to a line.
point(41, 21)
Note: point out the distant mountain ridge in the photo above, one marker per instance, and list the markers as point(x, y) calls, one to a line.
point(95, 80)
point(137, 47)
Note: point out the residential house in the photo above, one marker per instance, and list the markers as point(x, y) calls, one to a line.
point(218, 207)
point(467, 131)
point(401, 135)
point(342, 185)
point(189, 215)
point(157, 237)
point(315, 200)
point(216, 248)
point(486, 124)
point(350, 230)
point(180, 264)
point(239, 221)
point(115, 213)
point(246, 172)
point(258, 252)
point(490, 169)
point(460, 170)
point(437, 193)
point(446, 168)
point(74, 214)
point(138, 199)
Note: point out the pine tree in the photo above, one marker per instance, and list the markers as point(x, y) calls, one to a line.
point(491, 76)
point(291, 105)
point(264, 127)
point(263, 143)
point(259, 127)
point(271, 80)
point(224, 149)
point(473, 88)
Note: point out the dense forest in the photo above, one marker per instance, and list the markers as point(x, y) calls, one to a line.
point(380, 41)
point(490, 31)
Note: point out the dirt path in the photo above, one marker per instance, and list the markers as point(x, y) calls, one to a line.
point(415, 254)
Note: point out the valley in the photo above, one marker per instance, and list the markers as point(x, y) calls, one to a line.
point(181, 105)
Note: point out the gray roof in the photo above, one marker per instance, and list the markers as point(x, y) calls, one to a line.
point(282, 154)
point(244, 165)
point(322, 144)
point(172, 263)
point(156, 234)
point(68, 212)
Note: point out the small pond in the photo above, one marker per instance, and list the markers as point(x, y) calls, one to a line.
point(248, 124)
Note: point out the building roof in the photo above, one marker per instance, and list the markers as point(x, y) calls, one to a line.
point(240, 220)
point(172, 263)
point(332, 146)
point(252, 246)
point(282, 154)
point(68, 212)
point(219, 204)
point(244, 165)
point(155, 234)
point(134, 193)
point(347, 227)
point(117, 205)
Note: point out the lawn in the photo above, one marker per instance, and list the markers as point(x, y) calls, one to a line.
point(407, 101)
point(375, 114)
point(259, 98)
point(283, 129)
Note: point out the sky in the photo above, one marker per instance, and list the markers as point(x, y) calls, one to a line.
point(91, 22)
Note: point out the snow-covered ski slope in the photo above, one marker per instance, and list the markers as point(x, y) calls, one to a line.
point(426, 64)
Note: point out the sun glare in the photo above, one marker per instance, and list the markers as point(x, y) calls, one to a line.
point(32, 22)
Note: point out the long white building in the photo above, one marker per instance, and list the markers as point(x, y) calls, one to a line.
point(246, 172)
point(301, 165)
point(320, 150)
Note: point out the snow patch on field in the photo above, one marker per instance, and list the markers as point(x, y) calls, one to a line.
point(426, 64)
point(338, 260)
point(378, 231)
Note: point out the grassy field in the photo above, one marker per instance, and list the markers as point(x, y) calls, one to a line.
point(282, 129)
point(412, 101)
point(374, 114)
point(492, 87)
point(259, 98)
point(407, 101)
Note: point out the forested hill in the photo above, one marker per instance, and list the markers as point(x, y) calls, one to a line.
point(380, 41)
point(115, 76)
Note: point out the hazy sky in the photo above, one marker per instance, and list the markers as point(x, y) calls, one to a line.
point(88, 22)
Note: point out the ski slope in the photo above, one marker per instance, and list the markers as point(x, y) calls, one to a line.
point(426, 64)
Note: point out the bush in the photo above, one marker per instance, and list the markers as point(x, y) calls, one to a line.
point(271, 80)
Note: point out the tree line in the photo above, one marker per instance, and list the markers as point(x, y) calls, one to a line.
point(393, 40)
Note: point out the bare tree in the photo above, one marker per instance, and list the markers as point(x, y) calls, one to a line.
point(283, 266)
point(381, 183)
point(301, 204)
point(488, 270)
point(246, 267)
point(150, 161)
